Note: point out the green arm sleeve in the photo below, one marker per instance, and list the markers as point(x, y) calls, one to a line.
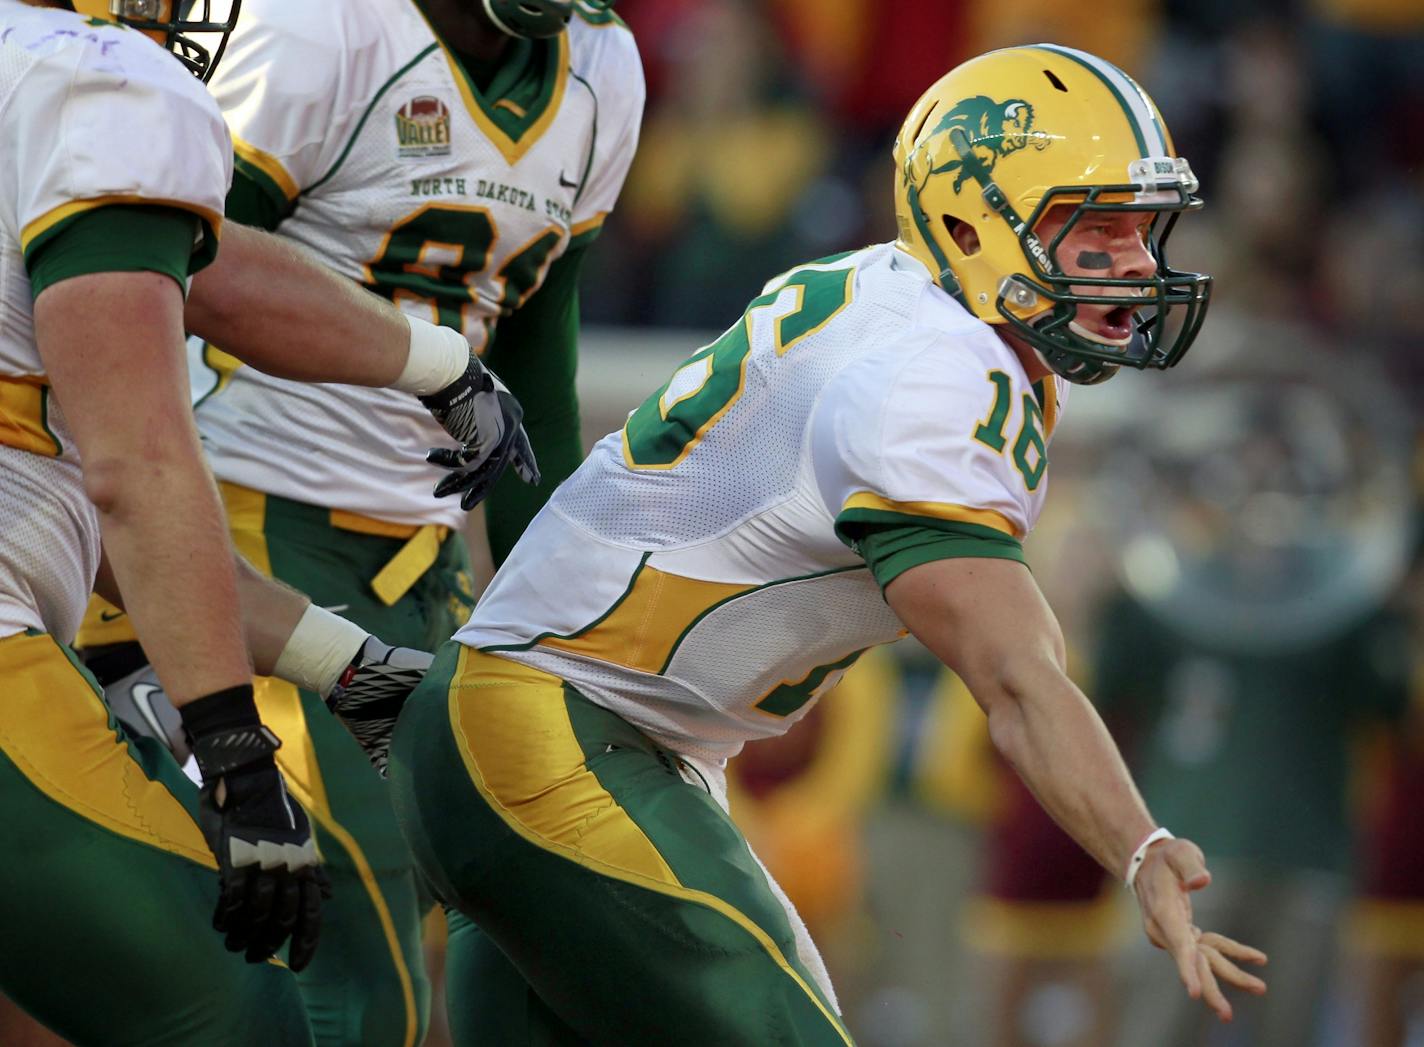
point(122, 238)
point(535, 352)
point(255, 199)
point(892, 549)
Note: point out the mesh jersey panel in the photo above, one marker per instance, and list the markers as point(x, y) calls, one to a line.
point(709, 601)
point(49, 544)
point(752, 457)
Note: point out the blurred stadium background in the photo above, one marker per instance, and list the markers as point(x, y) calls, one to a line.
point(1232, 548)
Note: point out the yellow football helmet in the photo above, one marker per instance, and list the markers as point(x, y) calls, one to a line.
point(999, 140)
point(169, 23)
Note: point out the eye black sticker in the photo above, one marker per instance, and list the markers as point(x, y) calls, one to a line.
point(1094, 260)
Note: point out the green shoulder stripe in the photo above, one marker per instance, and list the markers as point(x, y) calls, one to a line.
point(890, 548)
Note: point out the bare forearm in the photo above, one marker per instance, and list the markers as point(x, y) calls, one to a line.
point(270, 610)
point(269, 304)
point(167, 544)
point(1048, 731)
point(988, 622)
point(112, 345)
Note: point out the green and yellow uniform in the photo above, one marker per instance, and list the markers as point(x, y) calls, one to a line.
point(468, 196)
point(107, 887)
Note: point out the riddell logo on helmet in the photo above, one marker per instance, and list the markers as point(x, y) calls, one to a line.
point(977, 133)
point(423, 128)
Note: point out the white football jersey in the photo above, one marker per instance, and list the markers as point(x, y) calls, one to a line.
point(401, 175)
point(90, 114)
point(690, 577)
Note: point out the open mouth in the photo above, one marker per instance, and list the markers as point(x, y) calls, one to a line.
point(1113, 327)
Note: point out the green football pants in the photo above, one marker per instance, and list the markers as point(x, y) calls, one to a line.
point(624, 896)
point(367, 985)
point(107, 888)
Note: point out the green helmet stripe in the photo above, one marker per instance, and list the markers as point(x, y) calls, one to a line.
point(1146, 127)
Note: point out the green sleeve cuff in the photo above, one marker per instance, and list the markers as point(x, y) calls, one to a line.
point(889, 551)
point(123, 238)
point(255, 199)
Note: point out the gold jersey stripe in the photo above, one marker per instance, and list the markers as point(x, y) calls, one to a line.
point(53, 217)
point(644, 627)
point(23, 410)
point(268, 165)
point(55, 729)
point(498, 710)
point(936, 510)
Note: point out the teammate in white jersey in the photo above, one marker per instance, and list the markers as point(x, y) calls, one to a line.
point(111, 192)
point(110, 197)
point(455, 157)
point(858, 456)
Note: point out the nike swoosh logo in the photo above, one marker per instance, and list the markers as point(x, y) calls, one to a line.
point(110, 616)
point(142, 695)
point(563, 181)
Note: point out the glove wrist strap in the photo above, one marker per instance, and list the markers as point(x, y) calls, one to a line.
point(226, 733)
point(477, 380)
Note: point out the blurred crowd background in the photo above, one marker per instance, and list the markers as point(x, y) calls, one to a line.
point(1232, 547)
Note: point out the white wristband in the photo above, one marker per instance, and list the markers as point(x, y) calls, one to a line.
point(1140, 855)
point(438, 355)
point(319, 650)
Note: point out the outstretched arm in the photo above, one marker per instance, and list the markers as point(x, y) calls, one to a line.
point(987, 620)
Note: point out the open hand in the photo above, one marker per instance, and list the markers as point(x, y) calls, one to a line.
point(1205, 960)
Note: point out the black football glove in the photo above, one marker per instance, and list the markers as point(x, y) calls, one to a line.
point(372, 691)
point(478, 411)
point(271, 883)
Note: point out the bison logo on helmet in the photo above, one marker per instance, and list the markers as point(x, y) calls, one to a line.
point(975, 134)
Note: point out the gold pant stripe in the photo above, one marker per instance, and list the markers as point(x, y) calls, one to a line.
point(55, 729)
point(321, 814)
point(512, 729)
point(280, 705)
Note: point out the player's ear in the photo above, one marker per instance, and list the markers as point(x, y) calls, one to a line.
point(963, 234)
